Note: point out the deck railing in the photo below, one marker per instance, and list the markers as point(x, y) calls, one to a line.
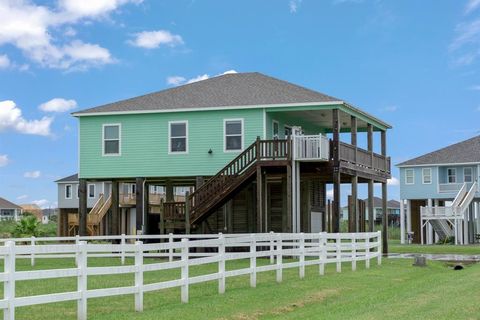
point(283, 251)
point(174, 210)
point(364, 158)
point(311, 148)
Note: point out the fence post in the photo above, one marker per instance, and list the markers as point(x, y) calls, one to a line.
point(170, 250)
point(338, 253)
point(138, 275)
point(253, 261)
point(9, 284)
point(77, 242)
point(322, 241)
point(221, 264)
point(367, 252)
point(122, 249)
point(82, 280)
point(354, 252)
point(301, 271)
point(272, 247)
point(279, 257)
point(379, 247)
point(184, 266)
point(32, 255)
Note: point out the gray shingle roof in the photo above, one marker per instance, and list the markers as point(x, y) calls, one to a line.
point(391, 204)
point(467, 151)
point(72, 178)
point(5, 204)
point(229, 90)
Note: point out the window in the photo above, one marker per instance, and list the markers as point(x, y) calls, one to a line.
point(452, 175)
point(467, 175)
point(91, 191)
point(68, 191)
point(275, 129)
point(111, 140)
point(233, 130)
point(288, 131)
point(178, 137)
point(426, 175)
point(409, 176)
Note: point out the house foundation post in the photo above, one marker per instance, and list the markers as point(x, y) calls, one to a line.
point(82, 209)
point(384, 197)
point(114, 224)
point(371, 213)
point(336, 172)
point(402, 221)
point(140, 195)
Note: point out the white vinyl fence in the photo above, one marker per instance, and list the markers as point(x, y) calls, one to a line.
point(299, 250)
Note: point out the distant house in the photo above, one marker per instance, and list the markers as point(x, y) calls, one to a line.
point(33, 209)
point(393, 210)
point(441, 194)
point(9, 210)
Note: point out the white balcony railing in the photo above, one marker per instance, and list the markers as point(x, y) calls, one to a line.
point(452, 187)
point(312, 147)
point(437, 212)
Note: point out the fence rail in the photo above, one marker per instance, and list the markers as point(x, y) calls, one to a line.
point(298, 250)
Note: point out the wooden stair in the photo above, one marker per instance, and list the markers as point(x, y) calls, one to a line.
point(94, 217)
point(241, 170)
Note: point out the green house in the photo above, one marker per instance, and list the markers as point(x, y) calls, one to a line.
point(254, 152)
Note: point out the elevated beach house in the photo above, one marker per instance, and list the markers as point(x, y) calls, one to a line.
point(440, 194)
point(254, 152)
point(9, 210)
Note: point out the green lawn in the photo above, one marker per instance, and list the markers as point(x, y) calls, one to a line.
point(396, 247)
point(393, 289)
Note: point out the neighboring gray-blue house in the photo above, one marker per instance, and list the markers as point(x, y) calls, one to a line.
point(439, 194)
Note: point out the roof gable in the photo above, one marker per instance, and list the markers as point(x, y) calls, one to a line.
point(5, 204)
point(72, 178)
point(467, 151)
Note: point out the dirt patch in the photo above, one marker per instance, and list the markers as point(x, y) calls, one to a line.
point(290, 307)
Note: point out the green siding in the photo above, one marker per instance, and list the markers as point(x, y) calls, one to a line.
point(144, 144)
point(286, 119)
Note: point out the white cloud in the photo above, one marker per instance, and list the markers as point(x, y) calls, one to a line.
point(58, 105)
point(11, 119)
point(293, 5)
point(34, 30)
point(346, 1)
point(154, 39)
point(22, 197)
point(475, 87)
point(4, 61)
point(42, 203)
point(390, 109)
point(178, 80)
point(393, 182)
point(471, 6)
point(466, 44)
point(32, 174)
point(3, 160)
point(330, 194)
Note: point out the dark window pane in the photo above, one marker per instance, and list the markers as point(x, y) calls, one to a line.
point(112, 147)
point(275, 128)
point(178, 129)
point(234, 143)
point(68, 191)
point(91, 191)
point(233, 127)
point(178, 145)
point(112, 132)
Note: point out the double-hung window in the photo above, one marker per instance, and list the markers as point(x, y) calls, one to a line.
point(275, 129)
point(178, 137)
point(111, 140)
point(233, 135)
point(68, 191)
point(467, 174)
point(426, 175)
point(91, 191)
point(452, 175)
point(409, 176)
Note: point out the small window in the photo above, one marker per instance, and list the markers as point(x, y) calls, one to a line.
point(409, 176)
point(178, 132)
point(91, 191)
point(426, 175)
point(275, 129)
point(288, 131)
point(68, 191)
point(452, 175)
point(111, 139)
point(467, 175)
point(233, 135)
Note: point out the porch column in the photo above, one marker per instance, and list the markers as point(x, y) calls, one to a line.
point(336, 172)
point(353, 214)
point(169, 194)
point(371, 213)
point(115, 210)
point(436, 204)
point(384, 197)
point(409, 215)
point(139, 204)
point(402, 221)
point(429, 226)
point(259, 199)
point(82, 208)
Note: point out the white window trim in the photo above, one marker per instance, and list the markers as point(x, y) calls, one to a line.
point(71, 191)
point(406, 176)
point(94, 190)
point(423, 175)
point(273, 129)
point(170, 140)
point(119, 140)
point(285, 126)
point(225, 135)
point(471, 175)
point(448, 176)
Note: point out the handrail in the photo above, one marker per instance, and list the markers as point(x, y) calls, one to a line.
point(460, 195)
point(97, 203)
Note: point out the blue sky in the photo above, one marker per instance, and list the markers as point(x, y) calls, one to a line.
point(412, 63)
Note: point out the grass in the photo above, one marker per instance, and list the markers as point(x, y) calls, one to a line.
point(393, 289)
point(396, 247)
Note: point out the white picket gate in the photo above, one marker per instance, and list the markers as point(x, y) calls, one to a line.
point(301, 250)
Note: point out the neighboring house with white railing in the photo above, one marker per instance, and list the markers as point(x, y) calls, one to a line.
point(440, 194)
point(9, 210)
